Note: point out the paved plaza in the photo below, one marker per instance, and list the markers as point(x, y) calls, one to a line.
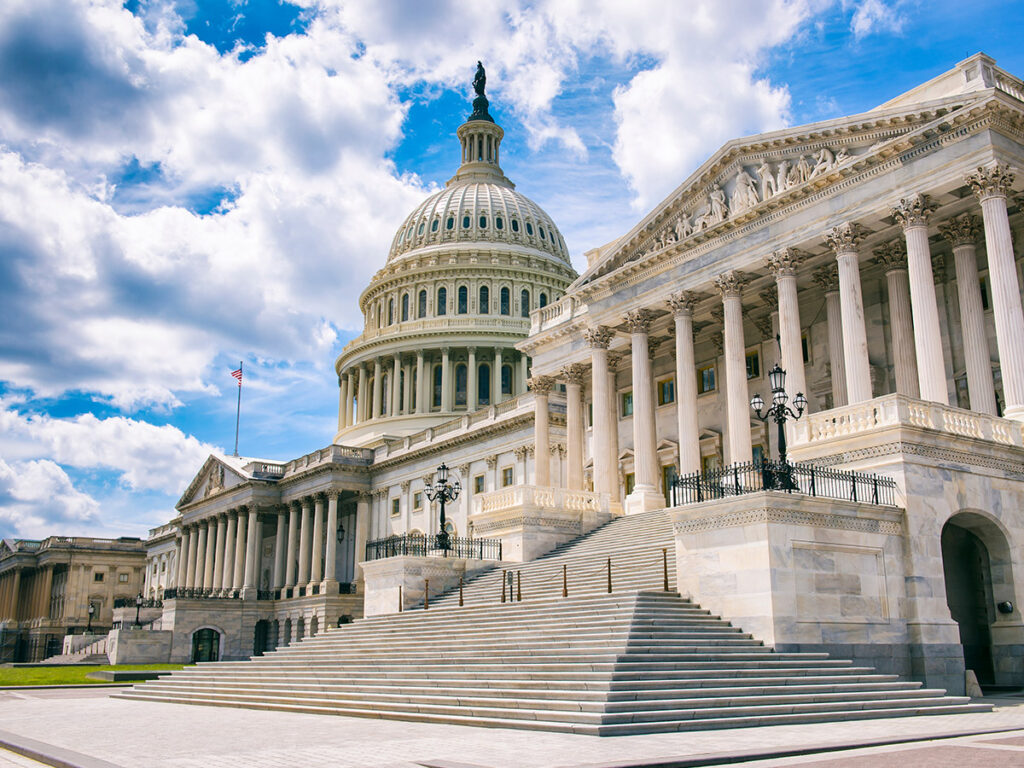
point(85, 728)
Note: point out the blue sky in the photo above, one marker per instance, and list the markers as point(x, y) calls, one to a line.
point(189, 183)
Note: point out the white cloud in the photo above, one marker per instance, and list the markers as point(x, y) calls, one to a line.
point(873, 16)
point(37, 496)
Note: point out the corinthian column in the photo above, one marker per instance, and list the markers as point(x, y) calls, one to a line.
point(604, 461)
point(912, 213)
point(737, 401)
point(361, 395)
point(227, 578)
point(252, 553)
point(291, 558)
point(827, 279)
point(396, 386)
point(471, 380)
point(378, 389)
point(783, 264)
point(342, 401)
point(541, 386)
point(200, 573)
point(305, 541)
point(421, 383)
point(316, 545)
point(331, 548)
point(446, 380)
point(218, 553)
point(574, 377)
point(962, 232)
point(351, 379)
point(646, 493)
point(893, 258)
point(844, 240)
point(991, 186)
point(280, 545)
point(240, 536)
point(182, 576)
point(682, 305)
point(614, 358)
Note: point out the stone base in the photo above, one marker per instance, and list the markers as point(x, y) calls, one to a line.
point(139, 646)
point(644, 500)
point(396, 583)
point(75, 643)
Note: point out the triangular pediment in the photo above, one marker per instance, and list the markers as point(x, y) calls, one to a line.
point(215, 475)
point(750, 177)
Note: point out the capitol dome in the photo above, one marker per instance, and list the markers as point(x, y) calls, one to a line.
point(443, 315)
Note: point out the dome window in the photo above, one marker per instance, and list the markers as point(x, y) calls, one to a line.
point(465, 222)
point(442, 301)
point(420, 230)
point(391, 311)
point(450, 224)
point(498, 223)
point(524, 303)
point(405, 307)
point(542, 233)
point(408, 232)
point(505, 301)
point(461, 376)
point(543, 299)
point(438, 379)
point(463, 300)
point(483, 384)
point(422, 302)
point(485, 300)
point(483, 222)
point(529, 228)
point(515, 225)
point(434, 224)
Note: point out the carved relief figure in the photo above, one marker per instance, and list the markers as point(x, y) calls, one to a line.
point(683, 227)
point(781, 178)
point(825, 161)
point(803, 169)
point(718, 210)
point(768, 186)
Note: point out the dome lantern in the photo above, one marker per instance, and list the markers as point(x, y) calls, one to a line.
point(480, 137)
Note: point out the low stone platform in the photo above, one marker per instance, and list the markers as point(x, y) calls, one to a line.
point(127, 676)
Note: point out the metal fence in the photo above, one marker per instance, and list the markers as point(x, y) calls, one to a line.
point(197, 593)
point(753, 476)
point(129, 602)
point(433, 546)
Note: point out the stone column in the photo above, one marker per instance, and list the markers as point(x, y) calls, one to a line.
point(844, 240)
point(361, 395)
point(350, 378)
point(991, 186)
point(496, 394)
point(912, 213)
point(682, 304)
point(362, 522)
point(280, 547)
point(331, 554)
point(521, 366)
point(211, 544)
point(446, 380)
point(305, 541)
point(599, 338)
point(471, 381)
point(240, 535)
point(396, 386)
point(737, 403)
point(783, 264)
point(46, 589)
point(407, 388)
point(293, 548)
point(317, 544)
point(828, 279)
point(252, 554)
point(378, 390)
point(200, 562)
point(893, 258)
point(541, 386)
point(228, 577)
point(962, 233)
point(646, 493)
point(342, 400)
point(422, 387)
point(181, 579)
point(614, 358)
point(574, 376)
point(218, 552)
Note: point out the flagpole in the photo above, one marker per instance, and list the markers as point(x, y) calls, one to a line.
point(238, 410)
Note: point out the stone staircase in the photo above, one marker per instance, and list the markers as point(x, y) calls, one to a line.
point(638, 660)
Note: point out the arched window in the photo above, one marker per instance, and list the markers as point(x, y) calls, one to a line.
point(465, 222)
point(419, 230)
point(385, 387)
point(461, 376)
point(415, 390)
point(506, 379)
point(405, 307)
point(391, 311)
point(450, 224)
point(498, 223)
point(463, 300)
point(483, 384)
point(541, 232)
point(529, 228)
point(506, 300)
point(485, 296)
point(442, 302)
point(433, 225)
point(483, 222)
point(524, 303)
point(421, 309)
point(543, 299)
point(515, 225)
point(438, 377)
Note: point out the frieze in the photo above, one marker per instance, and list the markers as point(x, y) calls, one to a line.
point(789, 517)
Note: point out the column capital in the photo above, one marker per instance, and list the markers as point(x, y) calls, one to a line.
point(913, 211)
point(639, 320)
point(784, 261)
point(892, 256)
point(521, 451)
point(827, 278)
point(990, 181)
point(961, 230)
point(731, 283)
point(405, 485)
point(599, 337)
point(471, 350)
point(575, 373)
point(683, 302)
point(844, 238)
point(540, 385)
point(492, 461)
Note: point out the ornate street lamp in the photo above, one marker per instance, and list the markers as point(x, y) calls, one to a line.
point(88, 626)
point(444, 492)
point(780, 412)
point(138, 607)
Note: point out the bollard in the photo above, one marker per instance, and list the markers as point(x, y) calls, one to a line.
point(519, 586)
point(460, 591)
point(502, 586)
point(664, 565)
point(565, 582)
point(399, 598)
point(426, 594)
point(609, 575)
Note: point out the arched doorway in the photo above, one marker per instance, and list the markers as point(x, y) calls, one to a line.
point(978, 572)
point(205, 645)
point(261, 636)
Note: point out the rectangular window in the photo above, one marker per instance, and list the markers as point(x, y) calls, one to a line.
point(590, 413)
point(507, 476)
point(630, 483)
point(163, 567)
point(627, 403)
point(666, 391)
point(122, 578)
point(753, 364)
point(417, 500)
point(983, 284)
point(758, 453)
point(396, 507)
point(805, 346)
point(668, 472)
point(478, 484)
point(706, 379)
point(97, 577)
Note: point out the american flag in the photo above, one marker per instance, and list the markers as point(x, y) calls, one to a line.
point(238, 375)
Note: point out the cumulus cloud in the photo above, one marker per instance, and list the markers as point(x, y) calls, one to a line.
point(873, 16)
point(37, 497)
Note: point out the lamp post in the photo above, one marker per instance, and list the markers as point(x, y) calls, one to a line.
point(444, 492)
point(138, 607)
point(780, 412)
point(88, 626)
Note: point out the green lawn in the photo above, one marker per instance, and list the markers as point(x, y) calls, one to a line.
point(65, 675)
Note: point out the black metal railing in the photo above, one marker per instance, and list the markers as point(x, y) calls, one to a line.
point(422, 546)
point(753, 476)
point(195, 593)
point(347, 588)
point(129, 602)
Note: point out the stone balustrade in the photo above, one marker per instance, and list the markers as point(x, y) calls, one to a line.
point(518, 496)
